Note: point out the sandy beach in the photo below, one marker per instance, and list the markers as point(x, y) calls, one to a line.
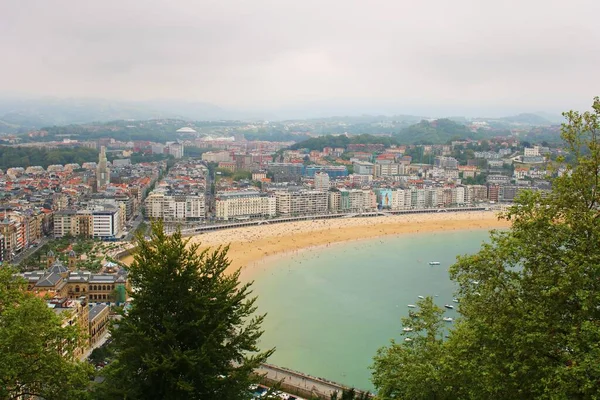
point(249, 246)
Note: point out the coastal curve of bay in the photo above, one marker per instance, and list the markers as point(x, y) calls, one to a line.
point(250, 246)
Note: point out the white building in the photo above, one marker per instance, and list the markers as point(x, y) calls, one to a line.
point(161, 205)
point(175, 149)
point(364, 168)
point(322, 181)
point(532, 151)
point(245, 205)
point(217, 156)
point(107, 222)
point(389, 169)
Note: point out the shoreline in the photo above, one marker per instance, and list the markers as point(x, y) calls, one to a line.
point(251, 247)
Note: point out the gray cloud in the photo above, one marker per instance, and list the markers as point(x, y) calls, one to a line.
point(269, 54)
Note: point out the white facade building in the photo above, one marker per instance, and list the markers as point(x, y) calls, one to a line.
point(169, 207)
point(322, 181)
point(245, 205)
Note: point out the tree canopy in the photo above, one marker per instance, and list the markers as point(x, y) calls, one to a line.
point(529, 323)
point(36, 351)
point(436, 132)
point(35, 156)
point(191, 332)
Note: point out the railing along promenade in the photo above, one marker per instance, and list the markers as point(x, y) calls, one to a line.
point(299, 383)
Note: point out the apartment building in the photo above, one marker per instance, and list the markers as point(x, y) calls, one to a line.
point(98, 320)
point(301, 202)
point(357, 200)
point(322, 181)
point(237, 205)
point(102, 221)
point(73, 222)
point(13, 228)
point(176, 207)
point(391, 169)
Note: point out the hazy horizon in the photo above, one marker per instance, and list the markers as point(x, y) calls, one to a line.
point(308, 59)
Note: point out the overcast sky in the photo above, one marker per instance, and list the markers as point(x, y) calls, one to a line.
point(529, 55)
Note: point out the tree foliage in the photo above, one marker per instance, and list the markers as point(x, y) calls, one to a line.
point(529, 299)
point(191, 332)
point(436, 132)
point(36, 351)
point(35, 156)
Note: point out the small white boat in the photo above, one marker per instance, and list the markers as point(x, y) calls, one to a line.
point(421, 297)
point(407, 339)
point(455, 300)
point(475, 282)
point(434, 263)
point(448, 319)
point(412, 306)
point(407, 329)
point(448, 306)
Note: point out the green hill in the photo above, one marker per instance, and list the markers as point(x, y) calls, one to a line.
point(435, 132)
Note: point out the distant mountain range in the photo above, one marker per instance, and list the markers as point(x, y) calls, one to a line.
point(26, 114)
point(22, 115)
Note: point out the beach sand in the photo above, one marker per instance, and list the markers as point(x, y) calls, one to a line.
point(249, 246)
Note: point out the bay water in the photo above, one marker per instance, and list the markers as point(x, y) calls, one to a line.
point(330, 308)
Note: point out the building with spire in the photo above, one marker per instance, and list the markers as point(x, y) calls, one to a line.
point(102, 170)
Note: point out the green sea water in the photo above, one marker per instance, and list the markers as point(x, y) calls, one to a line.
point(330, 308)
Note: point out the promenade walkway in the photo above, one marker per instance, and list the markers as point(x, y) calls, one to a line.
point(305, 384)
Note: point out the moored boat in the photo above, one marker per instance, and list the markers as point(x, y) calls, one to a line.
point(434, 263)
point(448, 306)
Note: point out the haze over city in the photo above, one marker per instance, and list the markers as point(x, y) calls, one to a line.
point(309, 58)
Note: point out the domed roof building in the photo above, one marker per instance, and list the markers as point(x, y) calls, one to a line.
point(58, 267)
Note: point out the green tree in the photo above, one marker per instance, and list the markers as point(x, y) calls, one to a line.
point(530, 320)
point(410, 369)
point(191, 332)
point(36, 351)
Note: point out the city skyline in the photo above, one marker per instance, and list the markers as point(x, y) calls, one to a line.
point(309, 59)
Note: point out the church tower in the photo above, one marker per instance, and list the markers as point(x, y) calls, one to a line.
point(102, 170)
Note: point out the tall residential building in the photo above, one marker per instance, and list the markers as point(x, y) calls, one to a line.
point(102, 170)
point(245, 205)
point(176, 207)
point(175, 149)
point(356, 200)
point(322, 181)
point(301, 202)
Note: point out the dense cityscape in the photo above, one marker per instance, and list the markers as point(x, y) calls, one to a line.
point(230, 180)
point(284, 200)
